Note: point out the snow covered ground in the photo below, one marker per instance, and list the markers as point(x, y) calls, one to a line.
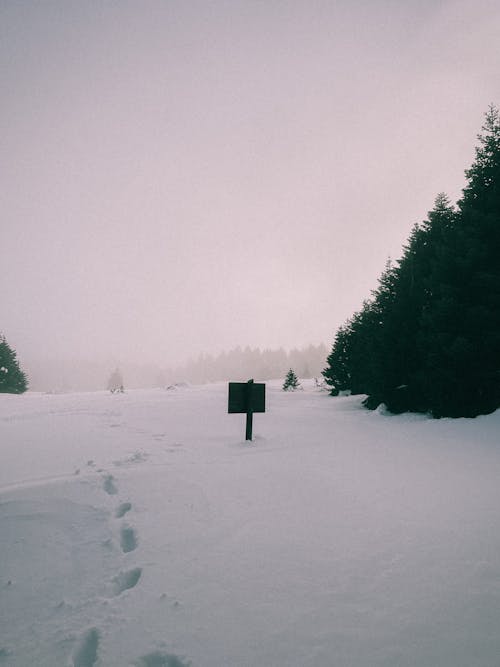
point(141, 529)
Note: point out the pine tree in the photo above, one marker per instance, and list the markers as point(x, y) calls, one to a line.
point(337, 374)
point(429, 339)
point(414, 285)
point(462, 332)
point(12, 379)
point(291, 381)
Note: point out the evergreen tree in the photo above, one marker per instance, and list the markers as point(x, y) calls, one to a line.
point(337, 374)
point(429, 339)
point(414, 284)
point(12, 379)
point(462, 325)
point(291, 381)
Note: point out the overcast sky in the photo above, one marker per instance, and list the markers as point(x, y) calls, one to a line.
point(187, 176)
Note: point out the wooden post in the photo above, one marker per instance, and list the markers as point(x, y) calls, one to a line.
point(248, 435)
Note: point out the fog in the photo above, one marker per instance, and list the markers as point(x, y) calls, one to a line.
point(182, 177)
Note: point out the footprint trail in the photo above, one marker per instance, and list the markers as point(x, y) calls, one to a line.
point(85, 654)
point(109, 485)
point(122, 509)
point(128, 539)
point(125, 580)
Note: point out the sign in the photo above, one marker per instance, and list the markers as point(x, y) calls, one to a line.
point(240, 399)
point(247, 397)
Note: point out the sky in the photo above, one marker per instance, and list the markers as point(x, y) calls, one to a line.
point(188, 176)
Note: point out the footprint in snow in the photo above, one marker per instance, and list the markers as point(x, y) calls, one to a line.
point(136, 457)
point(128, 539)
point(109, 485)
point(125, 580)
point(160, 659)
point(122, 509)
point(4, 653)
point(85, 653)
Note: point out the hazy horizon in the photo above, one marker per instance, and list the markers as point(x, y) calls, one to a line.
point(187, 177)
point(67, 375)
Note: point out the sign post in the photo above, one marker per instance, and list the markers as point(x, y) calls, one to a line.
point(247, 397)
point(248, 432)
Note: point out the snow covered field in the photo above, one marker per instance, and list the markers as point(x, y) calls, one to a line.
point(140, 529)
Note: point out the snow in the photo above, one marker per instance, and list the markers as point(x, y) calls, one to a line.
point(141, 529)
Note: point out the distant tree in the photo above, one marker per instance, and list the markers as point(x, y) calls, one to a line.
point(115, 382)
point(242, 363)
point(291, 381)
point(12, 379)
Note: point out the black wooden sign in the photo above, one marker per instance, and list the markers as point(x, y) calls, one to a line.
point(240, 397)
point(247, 397)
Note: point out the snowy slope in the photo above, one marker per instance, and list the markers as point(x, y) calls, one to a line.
point(140, 529)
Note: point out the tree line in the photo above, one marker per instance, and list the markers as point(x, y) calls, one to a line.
point(244, 363)
point(428, 340)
